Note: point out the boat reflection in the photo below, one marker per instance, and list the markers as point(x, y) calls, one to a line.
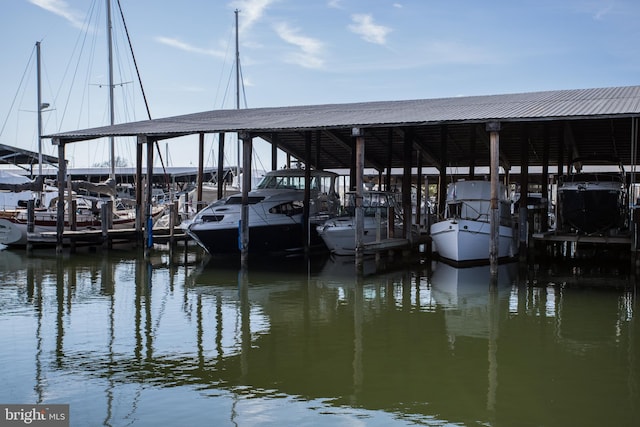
point(429, 344)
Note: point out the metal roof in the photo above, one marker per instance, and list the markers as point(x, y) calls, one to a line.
point(21, 157)
point(584, 120)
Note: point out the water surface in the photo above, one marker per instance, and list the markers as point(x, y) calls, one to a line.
point(182, 339)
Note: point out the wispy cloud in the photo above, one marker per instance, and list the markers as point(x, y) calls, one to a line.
point(62, 9)
point(251, 11)
point(309, 55)
point(597, 9)
point(178, 44)
point(604, 10)
point(368, 29)
point(336, 4)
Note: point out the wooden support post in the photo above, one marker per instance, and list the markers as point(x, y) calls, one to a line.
point(442, 185)
point(30, 223)
point(104, 223)
point(73, 223)
point(358, 133)
point(173, 220)
point(306, 239)
point(387, 180)
point(633, 202)
point(62, 174)
point(246, 187)
point(221, 178)
point(110, 216)
point(494, 217)
point(523, 219)
point(419, 192)
point(274, 151)
point(148, 227)
point(141, 140)
point(545, 179)
point(406, 183)
point(200, 171)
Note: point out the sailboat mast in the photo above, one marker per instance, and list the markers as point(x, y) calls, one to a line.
point(237, 65)
point(40, 106)
point(238, 89)
point(111, 109)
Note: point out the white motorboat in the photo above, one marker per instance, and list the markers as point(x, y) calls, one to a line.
point(339, 233)
point(275, 214)
point(464, 234)
point(592, 202)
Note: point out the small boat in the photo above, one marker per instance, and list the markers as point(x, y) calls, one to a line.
point(464, 233)
point(592, 202)
point(14, 222)
point(275, 214)
point(339, 233)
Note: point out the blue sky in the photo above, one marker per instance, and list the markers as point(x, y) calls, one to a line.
point(295, 52)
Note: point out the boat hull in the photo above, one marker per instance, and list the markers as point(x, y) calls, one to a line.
point(591, 207)
point(462, 240)
point(267, 238)
point(10, 234)
point(339, 234)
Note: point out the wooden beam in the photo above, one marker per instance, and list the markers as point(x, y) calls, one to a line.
point(199, 177)
point(494, 218)
point(62, 173)
point(246, 187)
point(502, 158)
point(220, 173)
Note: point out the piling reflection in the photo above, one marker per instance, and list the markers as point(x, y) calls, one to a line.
point(428, 344)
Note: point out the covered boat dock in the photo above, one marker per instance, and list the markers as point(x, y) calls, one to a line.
point(510, 134)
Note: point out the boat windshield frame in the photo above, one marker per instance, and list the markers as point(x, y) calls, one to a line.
point(289, 179)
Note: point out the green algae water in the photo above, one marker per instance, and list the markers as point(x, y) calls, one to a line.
point(181, 339)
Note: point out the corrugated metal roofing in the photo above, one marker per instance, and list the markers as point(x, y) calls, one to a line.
point(21, 157)
point(532, 106)
point(446, 131)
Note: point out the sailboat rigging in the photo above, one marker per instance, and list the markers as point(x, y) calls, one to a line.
point(14, 221)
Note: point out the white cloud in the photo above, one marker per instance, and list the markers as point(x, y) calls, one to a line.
point(250, 11)
point(336, 4)
point(189, 48)
point(62, 9)
point(309, 55)
point(398, 5)
point(604, 10)
point(369, 30)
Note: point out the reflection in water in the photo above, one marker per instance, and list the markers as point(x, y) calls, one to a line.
point(126, 340)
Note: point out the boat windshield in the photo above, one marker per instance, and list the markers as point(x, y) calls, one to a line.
point(237, 200)
point(371, 201)
point(318, 183)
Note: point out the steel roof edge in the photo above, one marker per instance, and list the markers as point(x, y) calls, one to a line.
point(526, 106)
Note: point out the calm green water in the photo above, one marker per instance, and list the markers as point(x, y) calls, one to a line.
point(182, 340)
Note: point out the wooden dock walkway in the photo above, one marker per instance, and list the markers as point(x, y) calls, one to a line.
point(161, 235)
point(621, 239)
